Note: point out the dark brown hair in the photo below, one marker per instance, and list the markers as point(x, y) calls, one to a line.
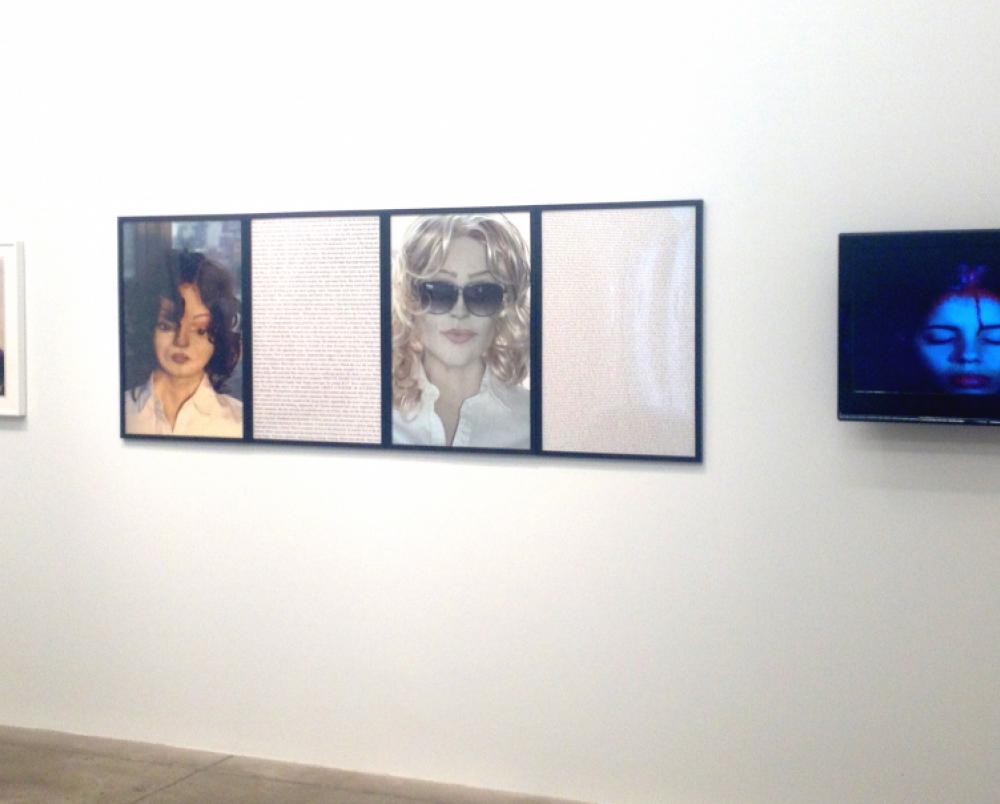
point(217, 291)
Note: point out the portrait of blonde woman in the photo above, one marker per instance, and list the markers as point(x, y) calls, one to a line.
point(461, 333)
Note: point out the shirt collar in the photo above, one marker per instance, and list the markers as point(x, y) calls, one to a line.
point(204, 399)
point(429, 392)
point(490, 385)
point(144, 394)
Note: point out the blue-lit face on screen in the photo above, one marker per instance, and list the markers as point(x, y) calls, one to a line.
point(960, 343)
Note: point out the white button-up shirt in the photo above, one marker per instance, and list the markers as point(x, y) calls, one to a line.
point(498, 417)
point(205, 413)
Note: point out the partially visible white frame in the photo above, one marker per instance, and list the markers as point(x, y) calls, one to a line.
point(13, 402)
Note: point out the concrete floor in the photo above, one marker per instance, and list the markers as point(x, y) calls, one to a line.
point(53, 768)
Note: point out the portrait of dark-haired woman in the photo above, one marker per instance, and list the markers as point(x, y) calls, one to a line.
point(183, 328)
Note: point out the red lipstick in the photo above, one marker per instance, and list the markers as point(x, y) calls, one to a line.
point(459, 335)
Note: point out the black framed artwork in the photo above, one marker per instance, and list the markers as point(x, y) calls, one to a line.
point(568, 330)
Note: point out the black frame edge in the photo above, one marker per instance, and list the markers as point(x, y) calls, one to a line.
point(385, 323)
point(247, 326)
point(536, 330)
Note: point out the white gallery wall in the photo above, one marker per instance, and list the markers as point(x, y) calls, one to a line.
point(809, 616)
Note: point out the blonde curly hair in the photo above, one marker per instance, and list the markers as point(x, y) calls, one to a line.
point(424, 250)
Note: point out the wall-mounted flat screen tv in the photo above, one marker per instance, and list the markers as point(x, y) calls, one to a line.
point(919, 335)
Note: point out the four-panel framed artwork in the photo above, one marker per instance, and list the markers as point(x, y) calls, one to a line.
point(570, 330)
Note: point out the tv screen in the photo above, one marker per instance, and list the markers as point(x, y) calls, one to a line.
point(919, 335)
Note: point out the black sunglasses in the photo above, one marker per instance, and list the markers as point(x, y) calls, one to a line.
point(481, 298)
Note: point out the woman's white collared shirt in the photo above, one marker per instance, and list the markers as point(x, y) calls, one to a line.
point(498, 417)
point(205, 413)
